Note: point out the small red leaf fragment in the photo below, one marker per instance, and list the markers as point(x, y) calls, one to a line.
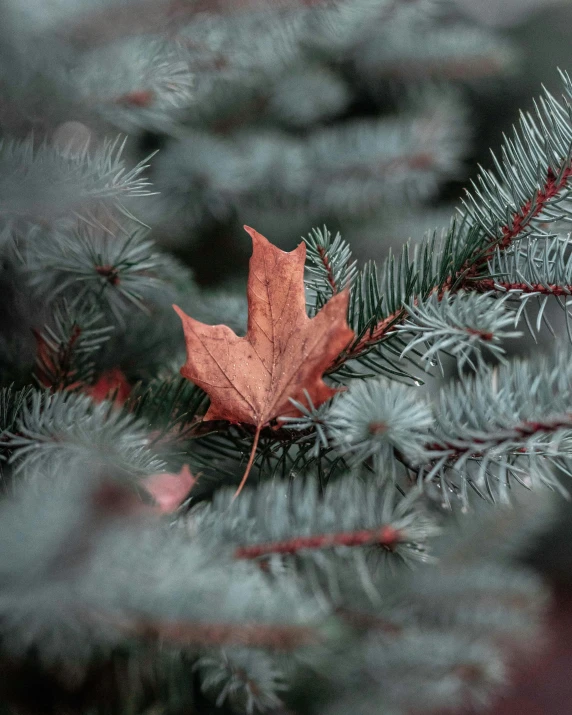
point(170, 490)
point(112, 382)
point(137, 98)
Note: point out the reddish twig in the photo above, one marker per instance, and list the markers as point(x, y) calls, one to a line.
point(137, 98)
point(386, 536)
point(329, 270)
point(422, 160)
point(524, 430)
point(489, 284)
point(368, 621)
point(256, 635)
point(54, 364)
point(367, 341)
point(465, 68)
point(522, 219)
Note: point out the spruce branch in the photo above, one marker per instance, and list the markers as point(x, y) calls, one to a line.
point(464, 325)
point(533, 265)
point(407, 50)
point(48, 182)
point(307, 94)
point(330, 266)
point(376, 417)
point(533, 269)
point(345, 170)
point(378, 300)
point(12, 403)
point(63, 578)
point(225, 52)
point(138, 84)
point(144, 16)
point(349, 517)
point(490, 432)
point(315, 554)
point(533, 179)
point(256, 635)
point(309, 425)
point(470, 670)
point(504, 426)
point(531, 183)
point(339, 25)
point(386, 537)
point(94, 264)
point(245, 677)
point(172, 405)
point(524, 289)
point(66, 349)
point(64, 429)
point(357, 165)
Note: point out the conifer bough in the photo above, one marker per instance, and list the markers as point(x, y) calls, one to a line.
point(323, 570)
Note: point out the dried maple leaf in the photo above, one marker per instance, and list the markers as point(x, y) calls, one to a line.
point(284, 353)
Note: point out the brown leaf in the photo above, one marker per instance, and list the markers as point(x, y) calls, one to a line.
point(252, 379)
point(284, 353)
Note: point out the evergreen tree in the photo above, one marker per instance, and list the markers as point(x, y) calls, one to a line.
point(285, 521)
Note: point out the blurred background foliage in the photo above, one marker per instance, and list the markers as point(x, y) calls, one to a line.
point(285, 120)
point(538, 35)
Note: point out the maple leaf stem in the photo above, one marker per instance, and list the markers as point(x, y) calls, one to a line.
point(250, 462)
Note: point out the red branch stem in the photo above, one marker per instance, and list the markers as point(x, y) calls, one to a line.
point(422, 160)
point(329, 270)
point(257, 635)
point(488, 284)
point(55, 362)
point(524, 430)
point(368, 621)
point(386, 536)
point(460, 69)
point(533, 207)
point(369, 339)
